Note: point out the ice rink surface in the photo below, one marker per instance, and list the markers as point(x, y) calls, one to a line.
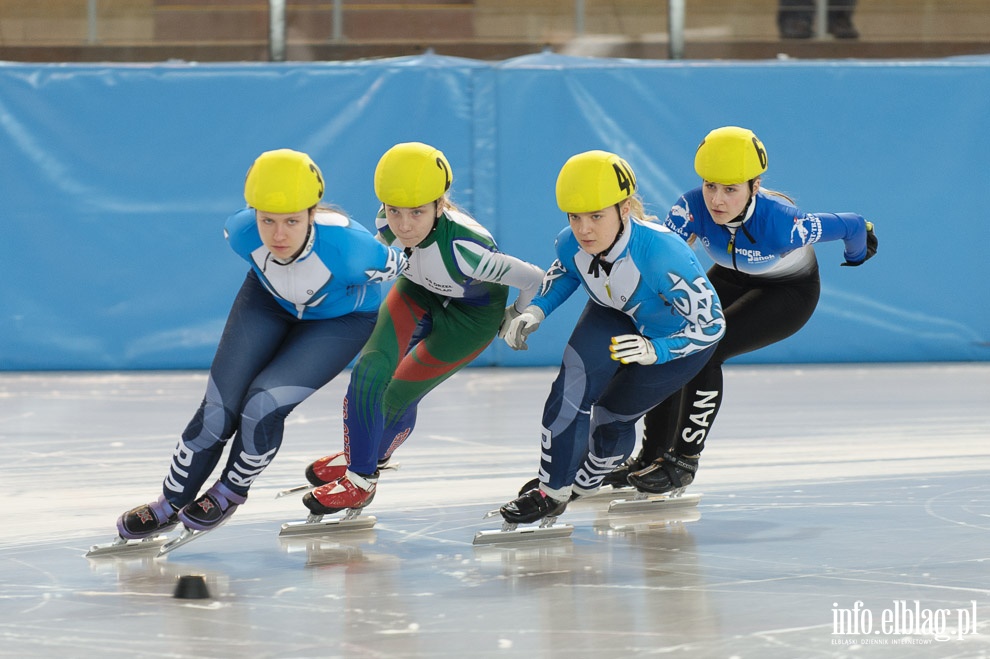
point(845, 512)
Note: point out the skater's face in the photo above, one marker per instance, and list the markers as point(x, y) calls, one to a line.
point(596, 231)
point(284, 234)
point(412, 225)
point(727, 202)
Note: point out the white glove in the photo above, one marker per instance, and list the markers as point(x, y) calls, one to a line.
point(522, 326)
point(510, 314)
point(633, 348)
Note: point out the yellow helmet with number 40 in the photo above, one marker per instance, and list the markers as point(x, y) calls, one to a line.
point(283, 181)
point(730, 155)
point(412, 174)
point(594, 180)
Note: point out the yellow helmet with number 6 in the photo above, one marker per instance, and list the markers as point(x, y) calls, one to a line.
point(283, 181)
point(594, 180)
point(730, 155)
point(412, 174)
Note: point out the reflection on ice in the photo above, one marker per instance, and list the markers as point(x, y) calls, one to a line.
point(823, 487)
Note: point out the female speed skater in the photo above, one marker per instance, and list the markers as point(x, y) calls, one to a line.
point(766, 275)
point(442, 312)
point(307, 306)
point(652, 322)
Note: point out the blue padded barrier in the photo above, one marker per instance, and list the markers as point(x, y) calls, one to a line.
point(116, 181)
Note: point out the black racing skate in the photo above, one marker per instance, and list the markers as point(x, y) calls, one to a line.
point(532, 506)
point(619, 477)
point(140, 529)
point(148, 520)
point(669, 474)
point(212, 509)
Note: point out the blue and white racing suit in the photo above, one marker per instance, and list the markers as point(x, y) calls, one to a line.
point(766, 275)
point(648, 283)
point(292, 328)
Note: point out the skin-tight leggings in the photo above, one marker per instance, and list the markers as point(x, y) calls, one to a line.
point(268, 362)
point(589, 419)
point(390, 379)
point(758, 313)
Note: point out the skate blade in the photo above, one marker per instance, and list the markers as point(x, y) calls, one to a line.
point(293, 490)
point(522, 535)
point(318, 526)
point(606, 493)
point(654, 503)
point(184, 538)
point(123, 547)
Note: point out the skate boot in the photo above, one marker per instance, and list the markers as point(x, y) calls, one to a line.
point(671, 473)
point(331, 468)
point(349, 491)
point(148, 520)
point(576, 492)
point(212, 509)
point(618, 477)
point(532, 506)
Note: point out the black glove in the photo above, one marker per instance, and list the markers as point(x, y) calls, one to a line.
point(871, 246)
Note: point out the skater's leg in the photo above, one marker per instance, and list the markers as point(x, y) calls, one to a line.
point(584, 373)
point(254, 328)
point(329, 468)
point(364, 420)
point(459, 334)
point(659, 430)
point(397, 433)
point(254, 331)
point(634, 390)
point(757, 315)
point(448, 336)
point(313, 353)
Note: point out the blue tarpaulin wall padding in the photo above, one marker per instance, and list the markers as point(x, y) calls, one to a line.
point(116, 181)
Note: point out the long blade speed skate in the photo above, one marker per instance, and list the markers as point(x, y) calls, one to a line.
point(510, 532)
point(184, 538)
point(315, 525)
point(643, 502)
point(125, 547)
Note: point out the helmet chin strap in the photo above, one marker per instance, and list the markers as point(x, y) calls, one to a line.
point(740, 220)
point(596, 261)
point(309, 235)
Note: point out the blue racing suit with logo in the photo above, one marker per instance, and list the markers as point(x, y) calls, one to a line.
point(292, 328)
point(772, 231)
point(648, 283)
point(766, 274)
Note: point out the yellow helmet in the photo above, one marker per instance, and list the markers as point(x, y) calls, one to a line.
point(412, 174)
point(594, 180)
point(283, 181)
point(730, 155)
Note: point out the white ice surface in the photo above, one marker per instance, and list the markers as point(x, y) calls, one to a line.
point(822, 486)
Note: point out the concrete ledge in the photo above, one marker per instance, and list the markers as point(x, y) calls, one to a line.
point(257, 51)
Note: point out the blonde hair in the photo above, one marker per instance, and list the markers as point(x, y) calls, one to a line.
point(637, 209)
point(446, 203)
point(775, 193)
